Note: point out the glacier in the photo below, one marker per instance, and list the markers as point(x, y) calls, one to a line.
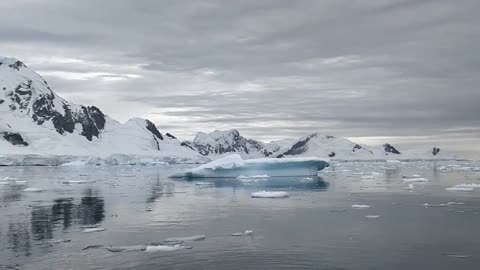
point(234, 166)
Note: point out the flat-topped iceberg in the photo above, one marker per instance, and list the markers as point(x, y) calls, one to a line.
point(234, 166)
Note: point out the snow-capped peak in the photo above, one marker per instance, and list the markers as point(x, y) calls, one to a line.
point(219, 143)
point(35, 120)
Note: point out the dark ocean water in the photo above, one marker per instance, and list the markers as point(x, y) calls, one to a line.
point(315, 228)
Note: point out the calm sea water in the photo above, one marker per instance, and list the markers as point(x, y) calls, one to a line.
point(315, 228)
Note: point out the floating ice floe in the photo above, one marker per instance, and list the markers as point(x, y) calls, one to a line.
point(234, 166)
point(246, 232)
point(161, 248)
point(92, 230)
point(372, 216)
point(269, 194)
point(457, 188)
point(416, 179)
point(410, 187)
point(360, 206)
point(126, 248)
point(473, 185)
point(33, 189)
point(393, 161)
point(186, 239)
point(368, 177)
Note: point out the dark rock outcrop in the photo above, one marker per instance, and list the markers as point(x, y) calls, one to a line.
point(435, 151)
point(153, 129)
point(14, 138)
point(170, 136)
point(332, 154)
point(390, 149)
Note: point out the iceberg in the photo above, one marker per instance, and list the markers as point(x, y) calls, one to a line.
point(234, 166)
point(270, 194)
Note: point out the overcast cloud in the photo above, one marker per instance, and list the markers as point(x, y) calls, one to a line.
point(403, 71)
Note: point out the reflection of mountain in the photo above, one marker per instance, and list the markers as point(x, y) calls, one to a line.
point(160, 189)
point(91, 208)
point(64, 211)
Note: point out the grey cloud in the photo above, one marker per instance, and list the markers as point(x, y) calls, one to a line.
point(354, 68)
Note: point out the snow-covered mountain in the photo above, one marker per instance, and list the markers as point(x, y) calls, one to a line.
point(221, 143)
point(34, 120)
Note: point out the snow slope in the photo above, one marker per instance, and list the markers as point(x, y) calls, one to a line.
point(220, 143)
point(36, 122)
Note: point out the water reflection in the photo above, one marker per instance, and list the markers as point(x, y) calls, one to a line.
point(314, 183)
point(91, 209)
point(47, 221)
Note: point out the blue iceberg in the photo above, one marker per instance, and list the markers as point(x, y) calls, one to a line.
point(234, 166)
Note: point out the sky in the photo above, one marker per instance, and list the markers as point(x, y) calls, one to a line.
point(402, 71)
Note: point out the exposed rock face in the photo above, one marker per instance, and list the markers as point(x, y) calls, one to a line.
point(299, 147)
point(28, 93)
point(222, 142)
point(152, 128)
point(14, 138)
point(170, 136)
point(390, 149)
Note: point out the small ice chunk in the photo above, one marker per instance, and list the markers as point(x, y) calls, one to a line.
point(372, 216)
point(186, 239)
point(368, 177)
point(33, 189)
point(416, 179)
point(269, 194)
point(455, 203)
point(165, 248)
point(246, 232)
point(473, 185)
point(360, 206)
point(126, 248)
point(91, 230)
point(410, 186)
point(457, 188)
point(377, 173)
point(394, 161)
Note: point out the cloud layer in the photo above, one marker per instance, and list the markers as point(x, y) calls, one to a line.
point(271, 68)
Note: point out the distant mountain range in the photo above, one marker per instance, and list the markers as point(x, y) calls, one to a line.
point(221, 143)
point(35, 121)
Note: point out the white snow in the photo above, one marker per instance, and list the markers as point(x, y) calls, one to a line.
point(33, 189)
point(161, 248)
point(472, 185)
point(270, 194)
point(372, 216)
point(360, 206)
point(459, 189)
point(186, 239)
point(92, 230)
